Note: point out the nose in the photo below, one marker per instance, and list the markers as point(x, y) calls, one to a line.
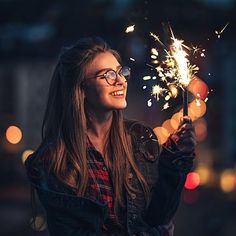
point(120, 80)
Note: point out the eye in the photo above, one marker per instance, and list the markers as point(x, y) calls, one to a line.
point(111, 74)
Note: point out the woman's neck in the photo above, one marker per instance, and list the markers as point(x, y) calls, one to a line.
point(99, 124)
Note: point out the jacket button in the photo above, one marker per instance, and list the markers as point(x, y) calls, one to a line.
point(130, 221)
point(134, 216)
point(133, 195)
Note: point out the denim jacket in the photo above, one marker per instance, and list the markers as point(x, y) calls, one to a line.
point(165, 172)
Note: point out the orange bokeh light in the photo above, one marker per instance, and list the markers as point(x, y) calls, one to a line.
point(167, 125)
point(13, 134)
point(162, 134)
point(200, 129)
point(175, 120)
point(198, 88)
point(198, 108)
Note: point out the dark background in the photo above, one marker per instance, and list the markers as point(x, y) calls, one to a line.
point(31, 35)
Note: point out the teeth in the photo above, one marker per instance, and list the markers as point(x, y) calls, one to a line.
point(117, 93)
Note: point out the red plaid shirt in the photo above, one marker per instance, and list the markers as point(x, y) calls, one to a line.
point(100, 186)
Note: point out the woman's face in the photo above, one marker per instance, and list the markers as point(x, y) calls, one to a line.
point(98, 93)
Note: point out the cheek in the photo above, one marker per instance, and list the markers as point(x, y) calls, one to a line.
point(96, 95)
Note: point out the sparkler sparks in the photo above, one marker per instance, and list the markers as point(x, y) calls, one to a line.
point(157, 90)
point(175, 71)
point(147, 77)
point(157, 38)
point(218, 33)
point(130, 29)
point(166, 106)
point(180, 57)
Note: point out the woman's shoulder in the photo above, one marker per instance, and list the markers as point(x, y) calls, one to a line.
point(143, 138)
point(40, 154)
point(36, 164)
point(140, 129)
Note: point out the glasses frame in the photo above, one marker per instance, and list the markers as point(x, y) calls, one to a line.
point(117, 73)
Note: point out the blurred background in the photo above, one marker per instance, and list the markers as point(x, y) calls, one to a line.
point(32, 33)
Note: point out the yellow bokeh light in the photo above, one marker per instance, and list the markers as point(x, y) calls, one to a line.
point(38, 224)
point(227, 180)
point(13, 134)
point(25, 154)
point(204, 173)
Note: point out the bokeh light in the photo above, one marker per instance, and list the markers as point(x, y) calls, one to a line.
point(13, 134)
point(198, 88)
point(25, 154)
point(175, 120)
point(200, 127)
point(192, 181)
point(227, 180)
point(167, 125)
point(205, 174)
point(162, 134)
point(198, 108)
point(38, 224)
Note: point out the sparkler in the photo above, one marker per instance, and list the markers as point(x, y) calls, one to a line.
point(180, 57)
point(175, 71)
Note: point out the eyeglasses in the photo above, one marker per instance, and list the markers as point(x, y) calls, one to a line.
point(111, 76)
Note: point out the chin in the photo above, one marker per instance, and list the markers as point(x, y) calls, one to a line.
point(119, 106)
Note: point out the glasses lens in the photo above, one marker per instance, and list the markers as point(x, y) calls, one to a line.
point(111, 76)
point(125, 71)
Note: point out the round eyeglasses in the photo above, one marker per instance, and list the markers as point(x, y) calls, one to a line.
point(111, 76)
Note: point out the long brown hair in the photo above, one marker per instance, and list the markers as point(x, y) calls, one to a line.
point(65, 122)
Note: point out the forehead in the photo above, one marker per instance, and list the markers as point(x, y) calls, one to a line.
point(104, 60)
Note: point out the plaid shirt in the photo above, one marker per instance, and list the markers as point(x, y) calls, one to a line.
point(100, 187)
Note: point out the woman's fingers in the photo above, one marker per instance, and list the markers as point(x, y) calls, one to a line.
point(184, 137)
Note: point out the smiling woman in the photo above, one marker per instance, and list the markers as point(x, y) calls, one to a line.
point(108, 84)
point(95, 172)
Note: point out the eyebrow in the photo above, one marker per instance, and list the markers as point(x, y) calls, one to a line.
point(106, 69)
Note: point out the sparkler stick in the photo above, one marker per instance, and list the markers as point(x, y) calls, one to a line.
point(185, 102)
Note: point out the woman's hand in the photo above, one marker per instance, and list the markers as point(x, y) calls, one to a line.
point(184, 136)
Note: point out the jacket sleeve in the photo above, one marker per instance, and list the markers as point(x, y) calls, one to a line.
point(173, 168)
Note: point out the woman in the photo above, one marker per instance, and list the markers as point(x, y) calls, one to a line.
point(96, 173)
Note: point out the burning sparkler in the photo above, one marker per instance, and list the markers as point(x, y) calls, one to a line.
point(175, 71)
point(182, 64)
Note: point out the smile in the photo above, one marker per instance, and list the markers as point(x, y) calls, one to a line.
point(118, 93)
